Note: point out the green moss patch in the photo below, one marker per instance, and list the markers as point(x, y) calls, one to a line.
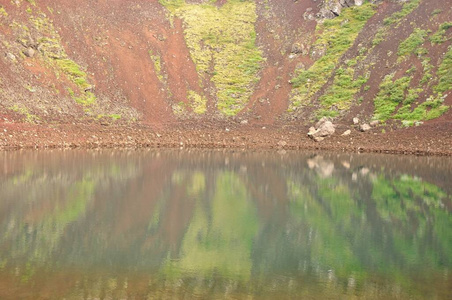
point(394, 20)
point(445, 73)
point(157, 61)
point(439, 37)
point(222, 43)
point(396, 17)
point(391, 94)
point(412, 44)
point(337, 36)
point(395, 94)
point(3, 12)
point(341, 94)
point(197, 102)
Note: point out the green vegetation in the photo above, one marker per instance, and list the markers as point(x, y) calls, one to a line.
point(439, 37)
point(394, 20)
point(391, 94)
point(70, 68)
point(337, 35)
point(396, 17)
point(3, 12)
point(197, 102)
point(222, 43)
point(437, 12)
point(412, 44)
point(28, 117)
point(445, 73)
point(342, 92)
point(397, 100)
point(397, 93)
point(157, 61)
point(53, 53)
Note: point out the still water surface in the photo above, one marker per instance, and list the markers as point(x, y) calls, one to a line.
point(206, 224)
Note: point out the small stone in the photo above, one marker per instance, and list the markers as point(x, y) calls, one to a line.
point(282, 143)
point(374, 123)
point(311, 131)
point(355, 121)
point(29, 52)
point(365, 127)
point(11, 56)
point(347, 132)
point(244, 122)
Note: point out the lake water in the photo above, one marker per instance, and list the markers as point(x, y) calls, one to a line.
point(176, 224)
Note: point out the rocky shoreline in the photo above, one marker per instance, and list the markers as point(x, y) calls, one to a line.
point(429, 139)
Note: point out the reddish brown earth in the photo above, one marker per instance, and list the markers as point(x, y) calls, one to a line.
point(111, 38)
point(434, 138)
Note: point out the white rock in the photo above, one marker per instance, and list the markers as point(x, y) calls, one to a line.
point(324, 130)
point(347, 132)
point(365, 127)
point(374, 123)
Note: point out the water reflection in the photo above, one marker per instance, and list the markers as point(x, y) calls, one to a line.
point(180, 224)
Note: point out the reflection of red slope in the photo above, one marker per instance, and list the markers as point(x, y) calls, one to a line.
point(134, 211)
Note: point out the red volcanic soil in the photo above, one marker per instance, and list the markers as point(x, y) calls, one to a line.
point(111, 38)
point(433, 138)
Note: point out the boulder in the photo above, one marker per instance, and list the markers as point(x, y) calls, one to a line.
point(322, 121)
point(325, 129)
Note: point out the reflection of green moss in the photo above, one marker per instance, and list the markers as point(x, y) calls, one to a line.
point(219, 240)
point(78, 196)
point(48, 230)
point(394, 225)
point(331, 215)
point(410, 205)
point(197, 185)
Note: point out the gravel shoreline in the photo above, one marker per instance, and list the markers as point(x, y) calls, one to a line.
point(434, 139)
